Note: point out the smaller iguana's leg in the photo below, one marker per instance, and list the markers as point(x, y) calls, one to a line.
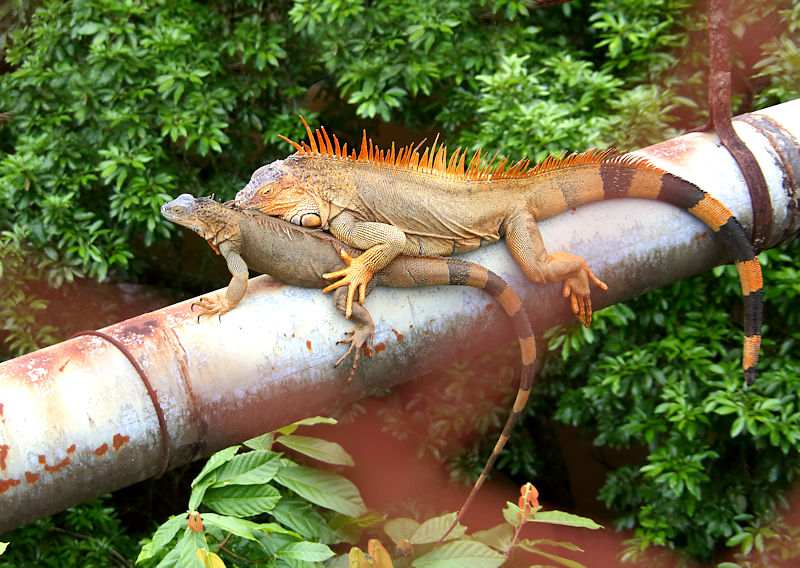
point(358, 337)
point(221, 304)
point(380, 243)
point(526, 246)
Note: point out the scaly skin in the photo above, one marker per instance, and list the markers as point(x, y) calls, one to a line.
point(388, 203)
point(300, 257)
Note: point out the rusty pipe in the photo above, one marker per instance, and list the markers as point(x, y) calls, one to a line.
point(76, 419)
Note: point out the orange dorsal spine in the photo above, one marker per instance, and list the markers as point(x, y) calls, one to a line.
point(435, 160)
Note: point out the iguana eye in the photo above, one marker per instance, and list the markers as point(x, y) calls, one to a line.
point(266, 190)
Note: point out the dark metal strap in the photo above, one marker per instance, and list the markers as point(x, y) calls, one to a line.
point(162, 423)
point(719, 105)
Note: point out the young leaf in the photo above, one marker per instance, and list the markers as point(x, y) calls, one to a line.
point(215, 461)
point(565, 519)
point(286, 430)
point(262, 442)
point(460, 554)
point(322, 450)
point(209, 559)
point(162, 537)
point(323, 488)
point(188, 546)
point(242, 500)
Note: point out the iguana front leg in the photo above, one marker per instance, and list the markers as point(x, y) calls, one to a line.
point(221, 304)
point(380, 243)
point(526, 246)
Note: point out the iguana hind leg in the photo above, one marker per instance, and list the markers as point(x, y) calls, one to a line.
point(526, 246)
point(360, 336)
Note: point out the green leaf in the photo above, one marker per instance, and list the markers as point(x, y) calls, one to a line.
point(243, 527)
point(215, 461)
point(305, 552)
point(460, 554)
point(188, 546)
point(564, 519)
point(262, 442)
point(162, 537)
point(323, 488)
point(301, 516)
point(322, 450)
point(242, 500)
point(305, 422)
point(3, 546)
point(250, 468)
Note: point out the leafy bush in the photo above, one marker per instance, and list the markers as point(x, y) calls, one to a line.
point(89, 536)
point(254, 522)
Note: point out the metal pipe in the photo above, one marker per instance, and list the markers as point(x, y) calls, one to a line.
point(76, 420)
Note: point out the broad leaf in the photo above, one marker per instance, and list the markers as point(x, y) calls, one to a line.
point(564, 519)
point(262, 442)
point(400, 529)
point(242, 500)
point(323, 488)
point(498, 537)
point(433, 529)
point(305, 552)
point(299, 515)
point(250, 468)
point(322, 450)
point(460, 554)
point(554, 558)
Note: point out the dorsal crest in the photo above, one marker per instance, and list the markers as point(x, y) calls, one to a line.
point(435, 160)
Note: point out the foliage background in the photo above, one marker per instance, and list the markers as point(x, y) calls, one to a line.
point(110, 108)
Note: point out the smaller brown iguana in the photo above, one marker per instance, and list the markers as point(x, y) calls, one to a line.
point(300, 256)
point(400, 201)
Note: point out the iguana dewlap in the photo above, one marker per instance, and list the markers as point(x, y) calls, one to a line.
point(393, 202)
point(300, 256)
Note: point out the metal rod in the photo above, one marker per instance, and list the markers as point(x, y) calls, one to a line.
point(76, 420)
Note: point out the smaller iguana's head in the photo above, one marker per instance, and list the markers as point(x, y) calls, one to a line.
point(196, 213)
point(278, 190)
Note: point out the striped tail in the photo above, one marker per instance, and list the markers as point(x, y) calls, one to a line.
point(468, 274)
point(688, 196)
point(631, 176)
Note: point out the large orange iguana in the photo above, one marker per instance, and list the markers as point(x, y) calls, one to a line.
point(300, 256)
point(392, 202)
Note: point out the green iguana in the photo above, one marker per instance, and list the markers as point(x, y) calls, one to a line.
point(392, 202)
point(300, 256)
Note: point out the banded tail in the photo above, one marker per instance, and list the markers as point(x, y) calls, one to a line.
point(463, 273)
point(620, 182)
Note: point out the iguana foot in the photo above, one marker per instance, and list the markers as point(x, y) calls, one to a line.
point(360, 336)
point(356, 276)
point(576, 288)
point(210, 306)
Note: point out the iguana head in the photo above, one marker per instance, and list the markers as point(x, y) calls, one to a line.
point(202, 215)
point(277, 189)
